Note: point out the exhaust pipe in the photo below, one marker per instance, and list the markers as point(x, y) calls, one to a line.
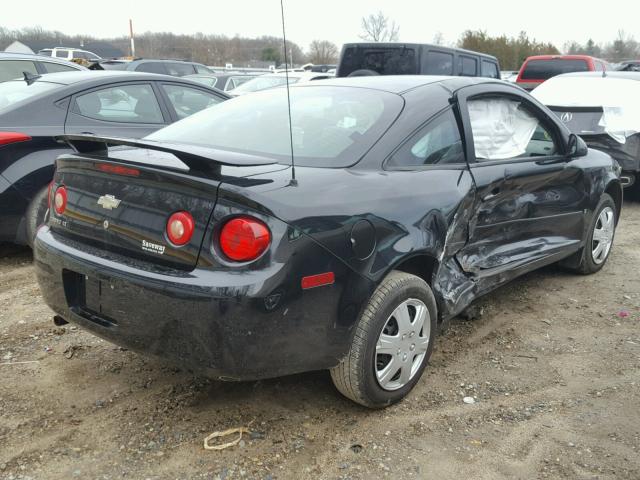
point(59, 321)
point(627, 180)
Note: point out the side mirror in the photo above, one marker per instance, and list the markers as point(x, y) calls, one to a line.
point(577, 147)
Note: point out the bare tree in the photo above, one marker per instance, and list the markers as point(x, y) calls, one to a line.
point(323, 52)
point(379, 28)
point(625, 47)
point(438, 39)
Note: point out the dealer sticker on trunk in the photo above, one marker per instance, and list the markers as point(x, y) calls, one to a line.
point(152, 247)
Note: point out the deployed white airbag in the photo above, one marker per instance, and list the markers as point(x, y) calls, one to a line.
point(501, 128)
point(619, 99)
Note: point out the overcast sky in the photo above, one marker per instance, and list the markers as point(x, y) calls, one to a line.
point(557, 21)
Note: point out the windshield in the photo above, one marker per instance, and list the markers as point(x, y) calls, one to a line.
point(262, 83)
point(332, 126)
point(18, 90)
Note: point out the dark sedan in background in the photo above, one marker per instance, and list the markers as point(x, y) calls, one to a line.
point(175, 68)
point(222, 81)
point(34, 111)
point(412, 196)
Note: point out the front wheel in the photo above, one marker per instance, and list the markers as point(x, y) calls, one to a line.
point(392, 343)
point(600, 235)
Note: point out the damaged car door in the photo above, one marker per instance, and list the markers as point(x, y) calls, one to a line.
point(530, 197)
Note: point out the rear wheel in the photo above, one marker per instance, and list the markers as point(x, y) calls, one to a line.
point(600, 237)
point(35, 214)
point(392, 343)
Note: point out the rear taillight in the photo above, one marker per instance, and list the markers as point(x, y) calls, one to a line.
point(60, 200)
point(13, 137)
point(180, 228)
point(244, 238)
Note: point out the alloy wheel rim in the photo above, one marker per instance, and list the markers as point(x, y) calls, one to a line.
point(402, 344)
point(602, 236)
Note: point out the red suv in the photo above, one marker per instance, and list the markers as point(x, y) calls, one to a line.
point(537, 69)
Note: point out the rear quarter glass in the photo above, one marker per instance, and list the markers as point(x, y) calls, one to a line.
point(14, 92)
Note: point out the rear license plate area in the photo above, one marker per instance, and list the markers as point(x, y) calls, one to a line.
point(85, 296)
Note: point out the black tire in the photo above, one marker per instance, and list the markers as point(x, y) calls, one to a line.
point(584, 262)
point(363, 72)
point(355, 376)
point(36, 213)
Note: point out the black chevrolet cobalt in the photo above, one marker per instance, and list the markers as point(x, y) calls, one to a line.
point(243, 246)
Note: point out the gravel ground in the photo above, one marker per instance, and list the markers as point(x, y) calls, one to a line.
point(553, 366)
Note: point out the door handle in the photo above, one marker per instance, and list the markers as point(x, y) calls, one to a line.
point(492, 194)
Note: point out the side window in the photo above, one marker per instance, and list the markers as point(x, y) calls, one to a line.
point(180, 69)
point(123, 103)
point(437, 143)
point(151, 67)
point(467, 66)
point(57, 67)
point(599, 67)
point(489, 69)
point(187, 101)
point(10, 69)
point(438, 63)
point(504, 129)
point(62, 53)
point(202, 69)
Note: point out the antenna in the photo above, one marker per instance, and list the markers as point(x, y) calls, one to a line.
point(293, 182)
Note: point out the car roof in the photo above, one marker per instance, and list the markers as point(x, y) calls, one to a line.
point(607, 74)
point(562, 57)
point(415, 45)
point(398, 83)
point(163, 60)
point(36, 58)
point(104, 76)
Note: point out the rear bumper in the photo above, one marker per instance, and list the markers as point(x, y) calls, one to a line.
point(241, 327)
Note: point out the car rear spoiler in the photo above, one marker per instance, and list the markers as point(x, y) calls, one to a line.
point(198, 158)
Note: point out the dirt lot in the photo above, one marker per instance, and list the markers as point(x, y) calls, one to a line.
point(554, 364)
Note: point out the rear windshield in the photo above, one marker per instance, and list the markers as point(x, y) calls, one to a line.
point(385, 61)
point(545, 69)
point(332, 126)
point(18, 90)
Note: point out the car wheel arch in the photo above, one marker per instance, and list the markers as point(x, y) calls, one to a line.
point(423, 265)
point(614, 189)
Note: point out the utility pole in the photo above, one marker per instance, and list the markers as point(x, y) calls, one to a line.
point(133, 45)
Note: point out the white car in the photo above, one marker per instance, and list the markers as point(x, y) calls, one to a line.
point(272, 80)
point(604, 109)
point(70, 54)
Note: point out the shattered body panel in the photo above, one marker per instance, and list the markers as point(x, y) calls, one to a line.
point(627, 154)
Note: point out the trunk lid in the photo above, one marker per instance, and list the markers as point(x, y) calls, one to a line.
point(121, 203)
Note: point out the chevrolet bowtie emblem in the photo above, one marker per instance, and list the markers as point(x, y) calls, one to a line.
point(108, 202)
